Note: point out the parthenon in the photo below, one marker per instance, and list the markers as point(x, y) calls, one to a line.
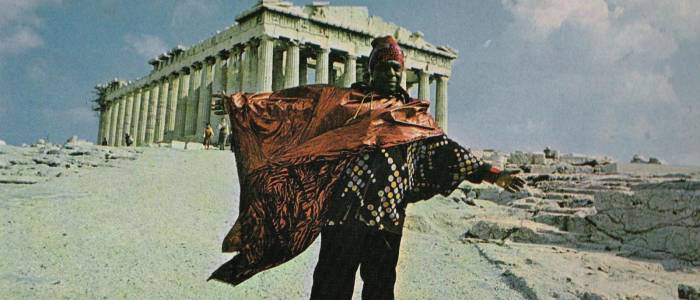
point(272, 46)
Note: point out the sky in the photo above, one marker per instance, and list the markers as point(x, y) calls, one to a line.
point(602, 77)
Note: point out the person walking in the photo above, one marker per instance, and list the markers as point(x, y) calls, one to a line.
point(208, 133)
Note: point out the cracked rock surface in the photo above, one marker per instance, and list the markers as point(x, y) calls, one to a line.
point(634, 234)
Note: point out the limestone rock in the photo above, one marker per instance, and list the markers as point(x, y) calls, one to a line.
point(178, 145)
point(518, 158)
point(194, 146)
point(537, 159)
point(2, 143)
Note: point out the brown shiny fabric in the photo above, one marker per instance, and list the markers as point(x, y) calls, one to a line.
point(291, 147)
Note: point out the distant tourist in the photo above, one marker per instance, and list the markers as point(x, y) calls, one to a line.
point(223, 134)
point(104, 142)
point(208, 133)
point(128, 140)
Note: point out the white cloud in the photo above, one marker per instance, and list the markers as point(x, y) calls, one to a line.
point(597, 75)
point(18, 40)
point(18, 25)
point(147, 46)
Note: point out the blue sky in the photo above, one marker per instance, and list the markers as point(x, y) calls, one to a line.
point(614, 77)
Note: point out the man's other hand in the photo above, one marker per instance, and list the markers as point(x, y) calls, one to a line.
point(508, 180)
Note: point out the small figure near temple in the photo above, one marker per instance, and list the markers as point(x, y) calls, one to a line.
point(128, 140)
point(104, 142)
point(208, 133)
point(223, 134)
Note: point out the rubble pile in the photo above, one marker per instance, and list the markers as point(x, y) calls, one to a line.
point(43, 160)
point(617, 223)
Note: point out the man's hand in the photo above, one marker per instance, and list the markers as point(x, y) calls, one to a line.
point(508, 180)
point(217, 103)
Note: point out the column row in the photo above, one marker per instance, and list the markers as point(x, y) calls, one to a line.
point(177, 106)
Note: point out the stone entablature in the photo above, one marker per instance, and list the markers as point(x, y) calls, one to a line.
point(272, 46)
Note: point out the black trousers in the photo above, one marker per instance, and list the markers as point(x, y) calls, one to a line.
point(343, 249)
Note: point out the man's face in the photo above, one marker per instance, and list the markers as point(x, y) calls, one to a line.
point(386, 77)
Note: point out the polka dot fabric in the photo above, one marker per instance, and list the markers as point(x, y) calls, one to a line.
point(376, 187)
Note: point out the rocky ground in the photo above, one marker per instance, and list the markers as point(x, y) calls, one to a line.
point(85, 221)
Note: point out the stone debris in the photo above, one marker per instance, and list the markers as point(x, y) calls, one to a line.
point(656, 218)
point(638, 159)
point(550, 161)
point(642, 215)
point(44, 161)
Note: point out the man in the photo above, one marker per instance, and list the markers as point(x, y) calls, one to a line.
point(371, 238)
point(128, 141)
point(223, 134)
point(208, 133)
point(347, 170)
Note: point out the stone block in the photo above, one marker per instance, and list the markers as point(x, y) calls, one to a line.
point(194, 146)
point(519, 158)
point(543, 169)
point(178, 145)
point(571, 158)
point(608, 168)
point(537, 159)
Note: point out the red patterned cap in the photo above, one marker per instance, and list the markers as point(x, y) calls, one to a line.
point(384, 49)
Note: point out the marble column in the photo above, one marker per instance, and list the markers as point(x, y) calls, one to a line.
point(152, 109)
point(128, 114)
point(278, 70)
point(136, 114)
point(303, 70)
point(143, 117)
point(265, 60)
point(119, 141)
point(170, 108)
point(193, 95)
point(181, 108)
point(441, 102)
point(350, 70)
point(204, 105)
point(247, 67)
point(217, 87)
point(114, 107)
point(160, 113)
point(219, 77)
point(291, 72)
point(107, 124)
point(101, 128)
point(423, 85)
point(233, 80)
point(322, 65)
point(404, 80)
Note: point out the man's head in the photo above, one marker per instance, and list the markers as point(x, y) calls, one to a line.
point(386, 64)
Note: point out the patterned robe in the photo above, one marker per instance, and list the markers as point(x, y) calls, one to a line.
point(294, 148)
